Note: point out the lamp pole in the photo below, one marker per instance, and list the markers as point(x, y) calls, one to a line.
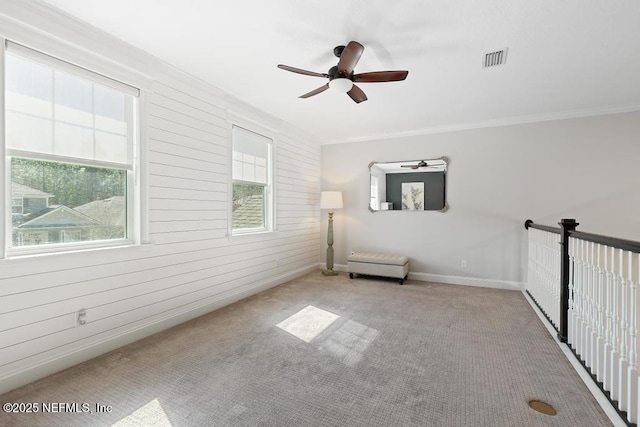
point(329, 271)
point(330, 200)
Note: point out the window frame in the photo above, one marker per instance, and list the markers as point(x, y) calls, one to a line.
point(269, 203)
point(135, 230)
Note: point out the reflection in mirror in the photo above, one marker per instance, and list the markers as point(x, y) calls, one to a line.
point(411, 185)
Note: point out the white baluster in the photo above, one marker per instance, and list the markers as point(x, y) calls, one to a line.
point(588, 339)
point(533, 257)
point(577, 302)
point(584, 333)
point(555, 241)
point(544, 291)
point(615, 328)
point(600, 315)
point(581, 290)
point(530, 265)
point(536, 272)
point(595, 297)
point(632, 375)
point(550, 290)
point(535, 260)
point(608, 326)
point(623, 362)
point(554, 300)
point(540, 284)
point(578, 285)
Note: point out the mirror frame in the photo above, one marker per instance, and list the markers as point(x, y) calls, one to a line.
point(443, 159)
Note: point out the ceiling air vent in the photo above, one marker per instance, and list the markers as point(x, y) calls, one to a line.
point(493, 59)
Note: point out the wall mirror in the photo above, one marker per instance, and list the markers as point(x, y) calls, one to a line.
point(414, 185)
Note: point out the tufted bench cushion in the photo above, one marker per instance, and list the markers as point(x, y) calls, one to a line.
point(378, 258)
point(377, 264)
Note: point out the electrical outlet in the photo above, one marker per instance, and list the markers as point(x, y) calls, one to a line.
point(464, 263)
point(81, 317)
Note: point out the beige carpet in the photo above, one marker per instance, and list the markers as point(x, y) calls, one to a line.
point(329, 351)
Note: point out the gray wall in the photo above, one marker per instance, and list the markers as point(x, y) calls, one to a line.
point(497, 178)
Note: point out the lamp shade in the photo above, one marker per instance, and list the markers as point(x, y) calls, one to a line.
point(331, 200)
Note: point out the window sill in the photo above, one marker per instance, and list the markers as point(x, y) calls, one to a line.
point(253, 235)
point(32, 252)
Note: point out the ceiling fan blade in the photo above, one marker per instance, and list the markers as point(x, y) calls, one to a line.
point(357, 94)
point(301, 71)
point(349, 58)
point(418, 166)
point(315, 91)
point(380, 76)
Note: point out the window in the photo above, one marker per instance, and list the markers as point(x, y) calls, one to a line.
point(252, 206)
point(70, 138)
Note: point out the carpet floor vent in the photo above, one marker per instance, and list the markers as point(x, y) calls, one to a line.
point(543, 408)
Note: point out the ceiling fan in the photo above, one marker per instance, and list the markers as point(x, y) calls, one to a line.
point(342, 75)
point(420, 164)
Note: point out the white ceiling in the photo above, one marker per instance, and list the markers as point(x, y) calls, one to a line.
point(566, 58)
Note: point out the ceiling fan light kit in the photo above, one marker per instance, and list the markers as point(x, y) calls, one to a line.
point(341, 77)
point(341, 84)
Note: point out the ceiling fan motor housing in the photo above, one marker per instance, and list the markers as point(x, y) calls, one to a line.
point(335, 74)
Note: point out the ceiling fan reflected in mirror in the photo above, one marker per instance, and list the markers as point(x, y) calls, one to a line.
point(420, 164)
point(342, 77)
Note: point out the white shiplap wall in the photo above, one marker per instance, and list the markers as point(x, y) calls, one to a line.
point(189, 265)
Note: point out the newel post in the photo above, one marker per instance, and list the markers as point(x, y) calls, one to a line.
point(567, 225)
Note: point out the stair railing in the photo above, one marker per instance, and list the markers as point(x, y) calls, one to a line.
point(587, 287)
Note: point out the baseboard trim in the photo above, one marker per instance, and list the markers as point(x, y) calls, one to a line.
point(468, 281)
point(59, 362)
point(454, 280)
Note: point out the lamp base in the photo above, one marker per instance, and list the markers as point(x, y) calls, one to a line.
point(329, 273)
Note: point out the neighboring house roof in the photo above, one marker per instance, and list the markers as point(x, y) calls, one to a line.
point(24, 192)
point(61, 216)
point(111, 211)
point(249, 213)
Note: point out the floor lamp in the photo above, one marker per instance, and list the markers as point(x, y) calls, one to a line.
point(330, 200)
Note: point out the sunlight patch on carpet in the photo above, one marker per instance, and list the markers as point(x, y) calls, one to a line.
point(150, 414)
point(350, 342)
point(308, 323)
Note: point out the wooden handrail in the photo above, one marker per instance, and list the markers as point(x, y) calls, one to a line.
point(614, 242)
point(529, 224)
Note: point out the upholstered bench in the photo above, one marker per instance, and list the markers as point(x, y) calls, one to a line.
point(373, 264)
